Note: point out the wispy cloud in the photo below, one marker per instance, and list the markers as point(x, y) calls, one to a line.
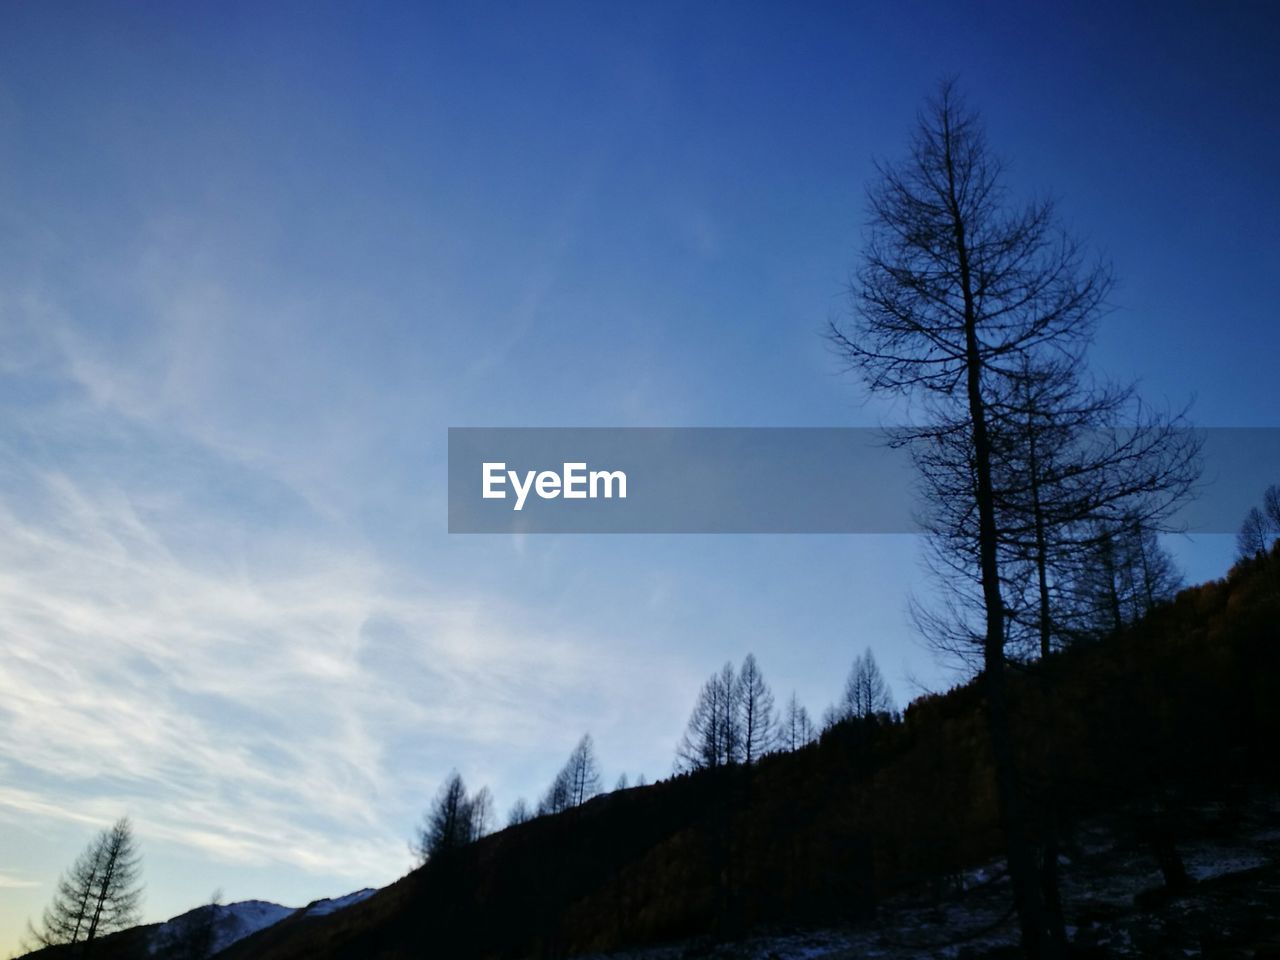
point(10, 882)
point(202, 625)
point(249, 683)
point(246, 713)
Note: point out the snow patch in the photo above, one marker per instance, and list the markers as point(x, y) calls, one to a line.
point(322, 908)
point(1209, 867)
point(225, 923)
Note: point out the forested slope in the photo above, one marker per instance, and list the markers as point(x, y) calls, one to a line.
point(1185, 702)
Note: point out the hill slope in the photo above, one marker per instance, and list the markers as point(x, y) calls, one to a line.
point(1138, 728)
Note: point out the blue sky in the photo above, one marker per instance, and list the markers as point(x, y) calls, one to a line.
point(256, 259)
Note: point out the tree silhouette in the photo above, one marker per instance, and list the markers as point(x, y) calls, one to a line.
point(796, 729)
point(866, 693)
point(453, 820)
point(1072, 460)
point(1271, 507)
point(559, 796)
point(481, 817)
point(99, 894)
point(713, 737)
point(520, 813)
point(958, 289)
point(1123, 572)
point(577, 782)
point(1260, 527)
point(584, 772)
point(756, 717)
point(1254, 534)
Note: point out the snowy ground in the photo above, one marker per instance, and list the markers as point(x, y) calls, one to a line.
point(1231, 851)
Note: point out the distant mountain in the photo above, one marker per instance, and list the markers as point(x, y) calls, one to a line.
point(232, 922)
point(207, 930)
point(225, 923)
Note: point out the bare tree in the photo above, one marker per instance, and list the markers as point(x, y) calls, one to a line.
point(584, 771)
point(66, 918)
point(480, 816)
point(700, 745)
point(796, 727)
point(1253, 536)
point(1070, 459)
point(1121, 574)
point(559, 796)
point(1076, 469)
point(980, 311)
point(101, 893)
point(577, 782)
point(756, 717)
point(1271, 507)
point(957, 288)
point(730, 724)
point(713, 737)
point(1154, 576)
point(520, 813)
point(622, 784)
point(866, 694)
point(1260, 527)
point(451, 822)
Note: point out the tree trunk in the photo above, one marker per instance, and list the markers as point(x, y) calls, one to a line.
point(1037, 940)
point(1049, 830)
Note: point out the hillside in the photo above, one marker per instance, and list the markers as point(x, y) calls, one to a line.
point(1181, 709)
point(1160, 741)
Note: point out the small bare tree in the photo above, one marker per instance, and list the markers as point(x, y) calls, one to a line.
point(520, 813)
point(1122, 573)
point(577, 782)
point(713, 737)
point(1260, 527)
point(866, 694)
point(454, 819)
point(1271, 507)
point(583, 772)
point(1253, 536)
point(559, 796)
point(756, 717)
point(100, 894)
point(796, 727)
point(480, 814)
